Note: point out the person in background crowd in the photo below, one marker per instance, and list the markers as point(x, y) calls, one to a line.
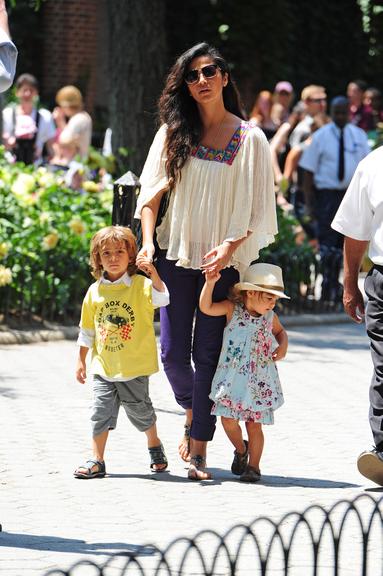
point(314, 99)
point(261, 113)
point(216, 170)
point(71, 119)
point(329, 163)
point(283, 98)
point(27, 129)
point(8, 51)
point(66, 151)
point(279, 146)
point(360, 114)
point(372, 101)
point(359, 219)
point(292, 182)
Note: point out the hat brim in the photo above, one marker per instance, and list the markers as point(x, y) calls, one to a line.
point(250, 286)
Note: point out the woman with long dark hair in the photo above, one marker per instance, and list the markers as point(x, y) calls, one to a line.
point(214, 169)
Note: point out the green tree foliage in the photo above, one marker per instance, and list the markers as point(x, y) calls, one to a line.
point(328, 45)
point(304, 42)
point(374, 30)
point(26, 28)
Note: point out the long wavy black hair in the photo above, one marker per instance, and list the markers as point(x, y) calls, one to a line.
point(180, 112)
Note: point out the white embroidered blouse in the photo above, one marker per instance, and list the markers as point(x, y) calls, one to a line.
point(221, 196)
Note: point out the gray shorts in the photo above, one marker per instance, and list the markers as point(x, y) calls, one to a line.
point(133, 395)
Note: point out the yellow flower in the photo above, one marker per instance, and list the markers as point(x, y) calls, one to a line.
point(50, 241)
point(90, 186)
point(5, 276)
point(77, 226)
point(4, 249)
point(45, 217)
point(23, 185)
point(46, 179)
point(27, 222)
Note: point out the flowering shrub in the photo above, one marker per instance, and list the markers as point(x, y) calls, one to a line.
point(45, 230)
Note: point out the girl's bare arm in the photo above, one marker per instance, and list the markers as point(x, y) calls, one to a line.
point(206, 304)
point(280, 335)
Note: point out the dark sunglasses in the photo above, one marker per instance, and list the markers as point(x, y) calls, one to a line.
point(318, 100)
point(208, 71)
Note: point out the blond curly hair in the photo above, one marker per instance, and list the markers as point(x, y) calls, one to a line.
point(113, 234)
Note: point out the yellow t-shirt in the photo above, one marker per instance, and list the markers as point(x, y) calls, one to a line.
point(122, 319)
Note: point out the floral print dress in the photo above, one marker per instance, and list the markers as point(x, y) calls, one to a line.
point(246, 384)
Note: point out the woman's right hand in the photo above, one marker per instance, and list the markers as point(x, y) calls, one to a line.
point(146, 252)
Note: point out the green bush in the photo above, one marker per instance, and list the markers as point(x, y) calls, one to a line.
point(45, 229)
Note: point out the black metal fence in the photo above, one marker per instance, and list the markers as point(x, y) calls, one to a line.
point(345, 539)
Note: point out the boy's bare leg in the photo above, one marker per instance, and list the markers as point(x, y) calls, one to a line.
point(184, 445)
point(98, 447)
point(153, 442)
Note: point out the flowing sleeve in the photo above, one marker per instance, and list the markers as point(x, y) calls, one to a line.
point(254, 208)
point(153, 177)
point(8, 58)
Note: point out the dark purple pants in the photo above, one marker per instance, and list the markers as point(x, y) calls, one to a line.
point(179, 345)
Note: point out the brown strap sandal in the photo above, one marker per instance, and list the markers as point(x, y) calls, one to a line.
point(197, 468)
point(251, 474)
point(85, 470)
point(240, 460)
point(158, 458)
point(184, 446)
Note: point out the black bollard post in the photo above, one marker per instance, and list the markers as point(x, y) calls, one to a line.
point(125, 191)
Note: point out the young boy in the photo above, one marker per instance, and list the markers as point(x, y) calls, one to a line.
point(117, 324)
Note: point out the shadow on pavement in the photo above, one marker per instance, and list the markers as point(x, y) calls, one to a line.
point(55, 544)
point(7, 392)
point(305, 482)
point(220, 476)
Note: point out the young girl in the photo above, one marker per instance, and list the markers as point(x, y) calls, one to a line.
point(246, 384)
point(117, 325)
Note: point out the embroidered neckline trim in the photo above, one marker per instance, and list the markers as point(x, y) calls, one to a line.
point(227, 155)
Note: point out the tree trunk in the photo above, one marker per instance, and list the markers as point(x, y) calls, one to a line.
point(136, 73)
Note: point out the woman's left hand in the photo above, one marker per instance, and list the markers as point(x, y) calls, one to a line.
point(217, 258)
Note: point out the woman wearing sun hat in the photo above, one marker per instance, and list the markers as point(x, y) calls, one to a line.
point(246, 385)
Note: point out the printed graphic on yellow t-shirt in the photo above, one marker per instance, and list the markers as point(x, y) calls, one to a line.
point(122, 318)
point(115, 325)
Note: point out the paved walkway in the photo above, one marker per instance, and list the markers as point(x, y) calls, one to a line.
point(49, 519)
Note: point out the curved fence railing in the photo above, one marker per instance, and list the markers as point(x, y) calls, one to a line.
point(346, 539)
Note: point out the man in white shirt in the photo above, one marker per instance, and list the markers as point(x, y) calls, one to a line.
point(360, 220)
point(8, 51)
point(329, 163)
point(26, 128)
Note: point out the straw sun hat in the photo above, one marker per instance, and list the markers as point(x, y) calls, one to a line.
point(263, 278)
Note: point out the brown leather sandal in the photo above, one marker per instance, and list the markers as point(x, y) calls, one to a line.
point(251, 474)
point(198, 464)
